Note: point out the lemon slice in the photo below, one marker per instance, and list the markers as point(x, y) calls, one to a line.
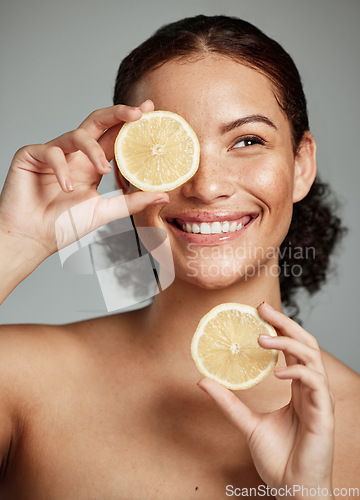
point(225, 346)
point(158, 152)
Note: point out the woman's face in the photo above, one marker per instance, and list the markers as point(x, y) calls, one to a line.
point(245, 178)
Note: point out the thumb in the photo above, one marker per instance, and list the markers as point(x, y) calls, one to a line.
point(109, 209)
point(234, 409)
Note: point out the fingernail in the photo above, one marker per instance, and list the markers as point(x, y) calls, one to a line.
point(267, 306)
point(103, 164)
point(202, 388)
point(265, 337)
point(68, 185)
point(135, 108)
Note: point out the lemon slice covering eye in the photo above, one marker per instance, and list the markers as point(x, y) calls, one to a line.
point(159, 152)
point(225, 346)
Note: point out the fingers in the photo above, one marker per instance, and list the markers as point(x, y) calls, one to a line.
point(96, 135)
point(107, 140)
point(286, 326)
point(298, 345)
point(235, 410)
point(109, 209)
point(51, 156)
point(298, 351)
point(147, 106)
point(308, 377)
point(317, 382)
point(80, 140)
point(302, 350)
point(89, 138)
point(102, 119)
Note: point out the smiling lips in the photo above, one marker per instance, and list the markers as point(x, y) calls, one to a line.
point(215, 227)
point(209, 227)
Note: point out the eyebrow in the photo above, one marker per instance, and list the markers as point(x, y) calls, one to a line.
point(246, 119)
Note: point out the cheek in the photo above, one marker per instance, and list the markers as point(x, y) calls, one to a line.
point(272, 183)
point(149, 217)
point(143, 218)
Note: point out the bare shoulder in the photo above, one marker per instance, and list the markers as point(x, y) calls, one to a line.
point(40, 359)
point(29, 355)
point(345, 385)
point(344, 382)
point(28, 345)
point(106, 332)
point(28, 348)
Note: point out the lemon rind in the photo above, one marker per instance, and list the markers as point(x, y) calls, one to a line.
point(211, 314)
point(159, 187)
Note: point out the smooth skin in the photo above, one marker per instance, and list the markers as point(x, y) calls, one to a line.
point(48, 180)
point(110, 407)
point(302, 426)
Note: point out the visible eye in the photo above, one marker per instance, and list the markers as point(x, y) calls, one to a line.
point(250, 140)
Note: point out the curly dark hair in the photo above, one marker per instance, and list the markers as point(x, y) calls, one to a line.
point(315, 227)
point(314, 223)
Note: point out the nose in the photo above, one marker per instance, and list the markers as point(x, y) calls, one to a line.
point(211, 182)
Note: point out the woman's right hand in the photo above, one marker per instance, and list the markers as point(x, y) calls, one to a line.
point(48, 180)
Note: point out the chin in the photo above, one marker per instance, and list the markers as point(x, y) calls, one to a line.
point(213, 276)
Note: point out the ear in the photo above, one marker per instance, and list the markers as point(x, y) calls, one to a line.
point(120, 180)
point(305, 167)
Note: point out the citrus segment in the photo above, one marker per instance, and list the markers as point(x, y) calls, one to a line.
point(225, 346)
point(158, 152)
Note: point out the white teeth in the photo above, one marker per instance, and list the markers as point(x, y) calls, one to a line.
point(215, 228)
point(205, 228)
point(212, 227)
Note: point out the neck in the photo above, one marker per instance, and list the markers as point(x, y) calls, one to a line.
point(175, 313)
point(168, 326)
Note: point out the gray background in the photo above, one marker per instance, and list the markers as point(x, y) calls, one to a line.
point(58, 63)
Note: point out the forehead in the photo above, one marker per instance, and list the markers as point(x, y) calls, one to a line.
point(212, 86)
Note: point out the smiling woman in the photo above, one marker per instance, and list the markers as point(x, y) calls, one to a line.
point(314, 224)
point(113, 402)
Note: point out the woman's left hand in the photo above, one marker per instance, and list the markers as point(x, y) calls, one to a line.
point(292, 445)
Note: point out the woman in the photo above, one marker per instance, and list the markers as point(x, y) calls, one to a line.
point(110, 408)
